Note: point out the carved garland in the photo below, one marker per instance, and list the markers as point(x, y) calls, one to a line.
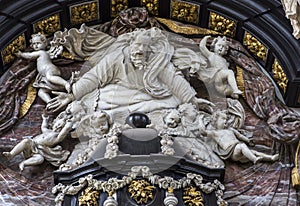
point(169, 184)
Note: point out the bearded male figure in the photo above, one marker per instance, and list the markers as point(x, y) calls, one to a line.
point(138, 76)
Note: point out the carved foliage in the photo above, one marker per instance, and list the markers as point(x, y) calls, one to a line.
point(255, 46)
point(184, 11)
point(85, 12)
point(9, 51)
point(192, 197)
point(89, 197)
point(48, 25)
point(141, 191)
point(151, 6)
point(222, 24)
point(279, 75)
point(117, 6)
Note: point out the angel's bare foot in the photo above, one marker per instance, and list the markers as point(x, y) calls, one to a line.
point(8, 155)
point(21, 166)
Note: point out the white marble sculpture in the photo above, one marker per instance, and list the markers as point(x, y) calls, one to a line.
point(138, 76)
point(217, 70)
point(292, 12)
point(49, 76)
point(43, 146)
point(229, 143)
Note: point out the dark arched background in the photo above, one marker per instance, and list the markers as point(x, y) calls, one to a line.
point(261, 26)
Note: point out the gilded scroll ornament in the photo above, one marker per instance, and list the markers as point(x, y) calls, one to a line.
point(151, 6)
point(222, 24)
point(279, 75)
point(88, 197)
point(31, 95)
point(240, 80)
point(117, 6)
point(255, 46)
point(48, 25)
point(183, 29)
point(192, 197)
point(85, 12)
point(141, 191)
point(8, 52)
point(184, 11)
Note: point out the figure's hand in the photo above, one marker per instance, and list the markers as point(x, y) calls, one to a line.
point(203, 104)
point(60, 101)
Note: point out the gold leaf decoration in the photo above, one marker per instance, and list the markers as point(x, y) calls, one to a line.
point(31, 95)
point(89, 197)
point(8, 52)
point(151, 6)
point(117, 6)
point(184, 11)
point(240, 80)
point(84, 12)
point(279, 75)
point(183, 29)
point(192, 197)
point(48, 25)
point(222, 24)
point(255, 46)
point(141, 191)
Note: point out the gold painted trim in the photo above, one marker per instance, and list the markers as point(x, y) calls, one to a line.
point(240, 80)
point(117, 6)
point(222, 24)
point(31, 95)
point(184, 11)
point(84, 12)
point(255, 46)
point(279, 75)
point(48, 26)
point(151, 6)
point(8, 52)
point(189, 30)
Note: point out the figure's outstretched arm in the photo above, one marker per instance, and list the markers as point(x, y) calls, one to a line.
point(28, 55)
point(202, 46)
point(64, 131)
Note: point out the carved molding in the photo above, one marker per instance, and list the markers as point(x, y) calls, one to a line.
point(84, 12)
point(184, 11)
point(48, 26)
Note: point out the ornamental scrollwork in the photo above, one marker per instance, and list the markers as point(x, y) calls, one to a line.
point(279, 75)
point(85, 12)
point(141, 191)
point(222, 24)
point(192, 197)
point(255, 46)
point(151, 6)
point(117, 6)
point(8, 52)
point(48, 25)
point(88, 197)
point(184, 11)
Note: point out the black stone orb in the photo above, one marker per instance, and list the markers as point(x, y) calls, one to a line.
point(138, 120)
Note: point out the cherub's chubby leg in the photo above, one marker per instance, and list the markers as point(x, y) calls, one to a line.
point(242, 151)
point(36, 159)
point(225, 81)
point(55, 79)
point(266, 157)
point(44, 95)
point(20, 147)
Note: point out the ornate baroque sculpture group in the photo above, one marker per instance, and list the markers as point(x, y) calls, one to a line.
point(147, 71)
